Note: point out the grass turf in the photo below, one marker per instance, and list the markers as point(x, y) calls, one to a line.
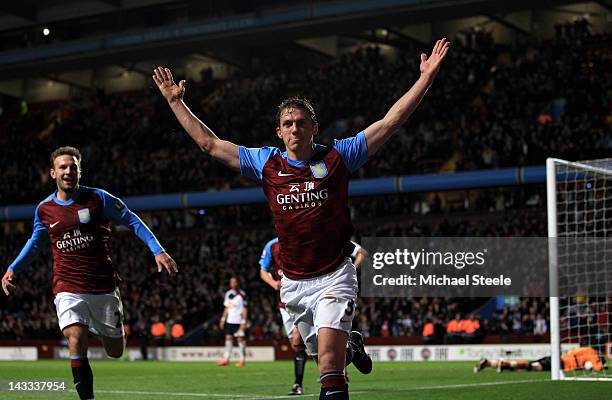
point(272, 380)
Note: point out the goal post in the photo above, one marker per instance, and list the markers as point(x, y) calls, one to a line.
point(551, 200)
point(579, 208)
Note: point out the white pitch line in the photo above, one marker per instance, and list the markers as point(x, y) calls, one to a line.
point(293, 396)
point(273, 397)
point(413, 389)
point(466, 385)
point(177, 394)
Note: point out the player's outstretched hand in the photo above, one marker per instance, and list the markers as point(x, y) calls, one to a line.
point(163, 260)
point(6, 282)
point(171, 91)
point(431, 65)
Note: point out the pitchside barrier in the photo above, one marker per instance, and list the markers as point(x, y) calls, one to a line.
point(471, 352)
point(181, 353)
point(19, 353)
point(379, 353)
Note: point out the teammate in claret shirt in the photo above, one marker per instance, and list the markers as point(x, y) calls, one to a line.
point(75, 221)
point(307, 191)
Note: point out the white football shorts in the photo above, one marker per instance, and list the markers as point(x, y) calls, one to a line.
point(288, 322)
point(101, 313)
point(327, 301)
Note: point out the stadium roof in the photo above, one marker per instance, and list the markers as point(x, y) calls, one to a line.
point(134, 35)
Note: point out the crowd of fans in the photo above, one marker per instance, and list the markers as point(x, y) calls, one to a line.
point(209, 252)
point(491, 106)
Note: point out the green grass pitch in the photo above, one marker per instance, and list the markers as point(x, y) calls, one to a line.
point(272, 380)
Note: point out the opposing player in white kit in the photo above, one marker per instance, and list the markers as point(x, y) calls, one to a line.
point(233, 323)
point(307, 191)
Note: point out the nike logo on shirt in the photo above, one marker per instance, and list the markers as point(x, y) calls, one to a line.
point(53, 224)
point(280, 173)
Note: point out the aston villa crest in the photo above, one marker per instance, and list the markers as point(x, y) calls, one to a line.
point(319, 170)
point(84, 215)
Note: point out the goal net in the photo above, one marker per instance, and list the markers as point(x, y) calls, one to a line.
point(580, 258)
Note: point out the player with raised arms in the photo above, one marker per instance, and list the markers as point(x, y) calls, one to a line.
point(75, 221)
point(307, 190)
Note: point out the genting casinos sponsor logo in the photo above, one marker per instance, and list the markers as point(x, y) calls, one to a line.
point(300, 200)
point(74, 240)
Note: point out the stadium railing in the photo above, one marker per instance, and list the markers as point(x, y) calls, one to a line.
point(360, 187)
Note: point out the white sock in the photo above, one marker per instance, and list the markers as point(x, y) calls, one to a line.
point(229, 344)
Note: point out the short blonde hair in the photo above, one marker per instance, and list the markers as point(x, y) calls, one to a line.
point(65, 151)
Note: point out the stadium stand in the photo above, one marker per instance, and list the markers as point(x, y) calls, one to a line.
point(498, 106)
point(149, 297)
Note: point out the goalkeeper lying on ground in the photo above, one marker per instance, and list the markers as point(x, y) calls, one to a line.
point(584, 358)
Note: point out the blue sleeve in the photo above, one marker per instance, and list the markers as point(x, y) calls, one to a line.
point(36, 242)
point(252, 160)
point(116, 211)
point(354, 151)
point(265, 262)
